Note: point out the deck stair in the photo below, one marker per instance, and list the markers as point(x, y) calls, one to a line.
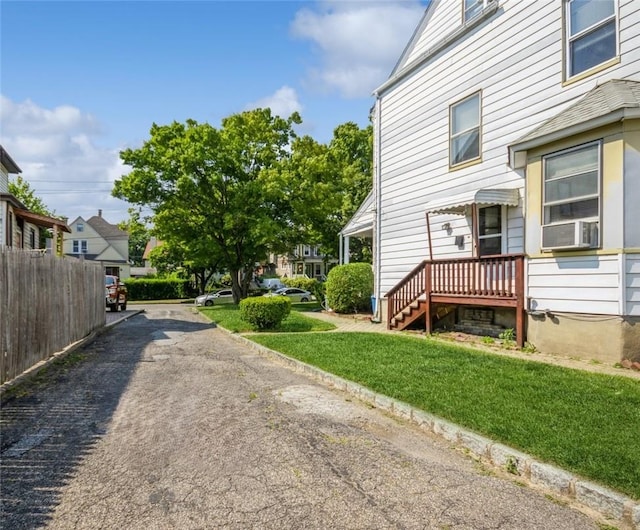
point(435, 287)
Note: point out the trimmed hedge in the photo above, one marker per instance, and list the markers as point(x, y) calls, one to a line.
point(158, 289)
point(265, 312)
point(349, 288)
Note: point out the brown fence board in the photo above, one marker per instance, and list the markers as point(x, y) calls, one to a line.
point(46, 303)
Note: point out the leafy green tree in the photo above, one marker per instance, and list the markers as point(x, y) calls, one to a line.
point(22, 191)
point(209, 188)
point(139, 235)
point(324, 185)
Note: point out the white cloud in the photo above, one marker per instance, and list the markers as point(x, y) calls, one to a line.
point(56, 150)
point(358, 43)
point(283, 102)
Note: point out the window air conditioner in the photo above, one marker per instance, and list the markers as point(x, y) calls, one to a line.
point(567, 236)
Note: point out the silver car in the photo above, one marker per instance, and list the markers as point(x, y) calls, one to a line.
point(293, 293)
point(224, 296)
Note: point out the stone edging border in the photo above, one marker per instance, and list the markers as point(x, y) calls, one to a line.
point(608, 503)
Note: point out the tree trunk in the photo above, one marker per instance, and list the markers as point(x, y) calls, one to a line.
point(240, 281)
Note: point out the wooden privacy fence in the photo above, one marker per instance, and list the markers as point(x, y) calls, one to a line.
point(46, 303)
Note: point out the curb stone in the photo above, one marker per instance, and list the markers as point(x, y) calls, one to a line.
point(608, 503)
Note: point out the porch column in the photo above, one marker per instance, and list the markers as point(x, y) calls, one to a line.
point(346, 250)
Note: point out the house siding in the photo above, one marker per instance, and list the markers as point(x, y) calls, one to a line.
point(632, 283)
point(516, 60)
point(632, 187)
point(575, 284)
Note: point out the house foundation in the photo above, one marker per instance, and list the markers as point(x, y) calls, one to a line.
point(602, 338)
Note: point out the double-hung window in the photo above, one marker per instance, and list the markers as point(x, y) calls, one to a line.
point(591, 34)
point(464, 126)
point(572, 188)
point(80, 246)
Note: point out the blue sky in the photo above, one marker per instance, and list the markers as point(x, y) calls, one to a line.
point(82, 80)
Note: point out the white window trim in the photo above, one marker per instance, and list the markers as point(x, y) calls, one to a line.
point(484, 3)
point(477, 94)
point(568, 38)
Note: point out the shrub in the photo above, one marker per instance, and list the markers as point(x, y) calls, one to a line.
point(265, 312)
point(308, 284)
point(349, 287)
point(158, 289)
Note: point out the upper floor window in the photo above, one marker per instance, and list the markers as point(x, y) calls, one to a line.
point(80, 227)
point(591, 34)
point(80, 246)
point(472, 8)
point(464, 135)
point(307, 250)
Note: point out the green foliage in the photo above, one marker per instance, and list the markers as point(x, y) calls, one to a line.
point(158, 289)
point(349, 287)
point(228, 317)
point(139, 235)
point(211, 191)
point(308, 284)
point(265, 312)
point(322, 186)
point(22, 191)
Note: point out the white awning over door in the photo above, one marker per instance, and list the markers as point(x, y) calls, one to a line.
point(458, 204)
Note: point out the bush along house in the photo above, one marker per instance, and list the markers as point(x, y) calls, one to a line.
point(507, 175)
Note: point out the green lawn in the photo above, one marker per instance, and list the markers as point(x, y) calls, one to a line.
point(228, 316)
point(584, 422)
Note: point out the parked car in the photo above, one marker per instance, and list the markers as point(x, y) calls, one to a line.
point(115, 293)
point(224, 296)
point(293, 293)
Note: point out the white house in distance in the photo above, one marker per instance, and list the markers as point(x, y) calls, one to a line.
point(96, 239)
point(507, 174)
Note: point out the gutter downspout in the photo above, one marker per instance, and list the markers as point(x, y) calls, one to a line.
point(377, 185)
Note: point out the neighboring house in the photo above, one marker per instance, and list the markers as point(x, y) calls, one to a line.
point(304, 261)
point(96, 239)
point(507, 175)
point(20, 227)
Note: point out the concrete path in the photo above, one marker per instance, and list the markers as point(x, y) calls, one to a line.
point(165, 422)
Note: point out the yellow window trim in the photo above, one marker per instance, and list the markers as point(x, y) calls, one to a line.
point(591, 71)
point(468, 163)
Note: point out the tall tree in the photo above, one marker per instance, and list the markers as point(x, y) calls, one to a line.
point(139, 234)
point(209, 188)
point(324, 185)
point(22, 191)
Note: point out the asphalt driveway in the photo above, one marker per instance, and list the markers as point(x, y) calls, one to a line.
point(165, 422)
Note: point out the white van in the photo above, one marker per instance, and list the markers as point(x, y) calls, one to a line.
point(272, 284)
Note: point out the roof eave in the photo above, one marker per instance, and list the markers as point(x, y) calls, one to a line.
point(437, 48)
point(518, 150)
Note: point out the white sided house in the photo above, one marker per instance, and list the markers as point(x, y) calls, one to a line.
point(507, 175)
point(96, 239)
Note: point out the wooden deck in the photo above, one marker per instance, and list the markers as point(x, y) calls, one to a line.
point(491, 281)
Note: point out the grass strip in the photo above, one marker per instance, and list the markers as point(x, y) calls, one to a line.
point(583, 422)
point(228, 316)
